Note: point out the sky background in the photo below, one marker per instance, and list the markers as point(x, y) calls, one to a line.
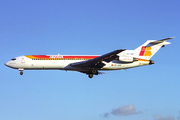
point(89, 27)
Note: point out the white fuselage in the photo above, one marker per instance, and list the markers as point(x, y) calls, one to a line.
point(27, 63)
point(90, 65)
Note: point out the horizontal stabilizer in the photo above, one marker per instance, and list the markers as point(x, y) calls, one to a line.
point(161, 41)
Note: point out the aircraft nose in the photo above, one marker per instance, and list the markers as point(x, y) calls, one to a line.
point(10, 64)
point(6, 64)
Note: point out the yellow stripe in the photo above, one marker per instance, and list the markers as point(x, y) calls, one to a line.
point(143, 60)
point(29, 56)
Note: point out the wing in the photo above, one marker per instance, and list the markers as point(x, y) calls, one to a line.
point(97, 62)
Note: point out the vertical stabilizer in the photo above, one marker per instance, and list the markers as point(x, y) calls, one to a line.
point(150, 47)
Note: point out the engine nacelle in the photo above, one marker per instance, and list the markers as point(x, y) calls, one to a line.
point(126, 59)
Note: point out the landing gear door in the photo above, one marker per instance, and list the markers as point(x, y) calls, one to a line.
point(22, 60)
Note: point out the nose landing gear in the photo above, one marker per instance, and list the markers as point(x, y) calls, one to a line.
point(21, 73)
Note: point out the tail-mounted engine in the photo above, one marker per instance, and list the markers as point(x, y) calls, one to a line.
point(127, 59)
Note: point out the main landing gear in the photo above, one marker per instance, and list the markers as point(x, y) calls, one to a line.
point(93, 72)
point(90, 75)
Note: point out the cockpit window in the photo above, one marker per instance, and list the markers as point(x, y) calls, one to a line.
point(13, 59)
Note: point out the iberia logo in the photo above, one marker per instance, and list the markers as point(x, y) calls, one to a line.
point(145, 51)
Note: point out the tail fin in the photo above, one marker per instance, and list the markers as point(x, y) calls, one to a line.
point(150, 47)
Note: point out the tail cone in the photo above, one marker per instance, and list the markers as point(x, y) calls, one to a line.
point(151, 62)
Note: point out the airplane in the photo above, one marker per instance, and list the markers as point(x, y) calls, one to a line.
point(91, 64)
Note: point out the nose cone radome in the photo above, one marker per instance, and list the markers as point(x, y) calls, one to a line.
point(6, 64)
point(9, 64)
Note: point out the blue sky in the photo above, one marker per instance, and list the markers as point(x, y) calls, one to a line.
point(89, 27)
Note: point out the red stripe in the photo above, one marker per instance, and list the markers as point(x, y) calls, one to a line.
point(67, 57)
point(86, 57)
point(143, 49)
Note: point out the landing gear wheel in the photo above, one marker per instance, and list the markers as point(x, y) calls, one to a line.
point(90, 75)
point(94, 71)
point(21, 73)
